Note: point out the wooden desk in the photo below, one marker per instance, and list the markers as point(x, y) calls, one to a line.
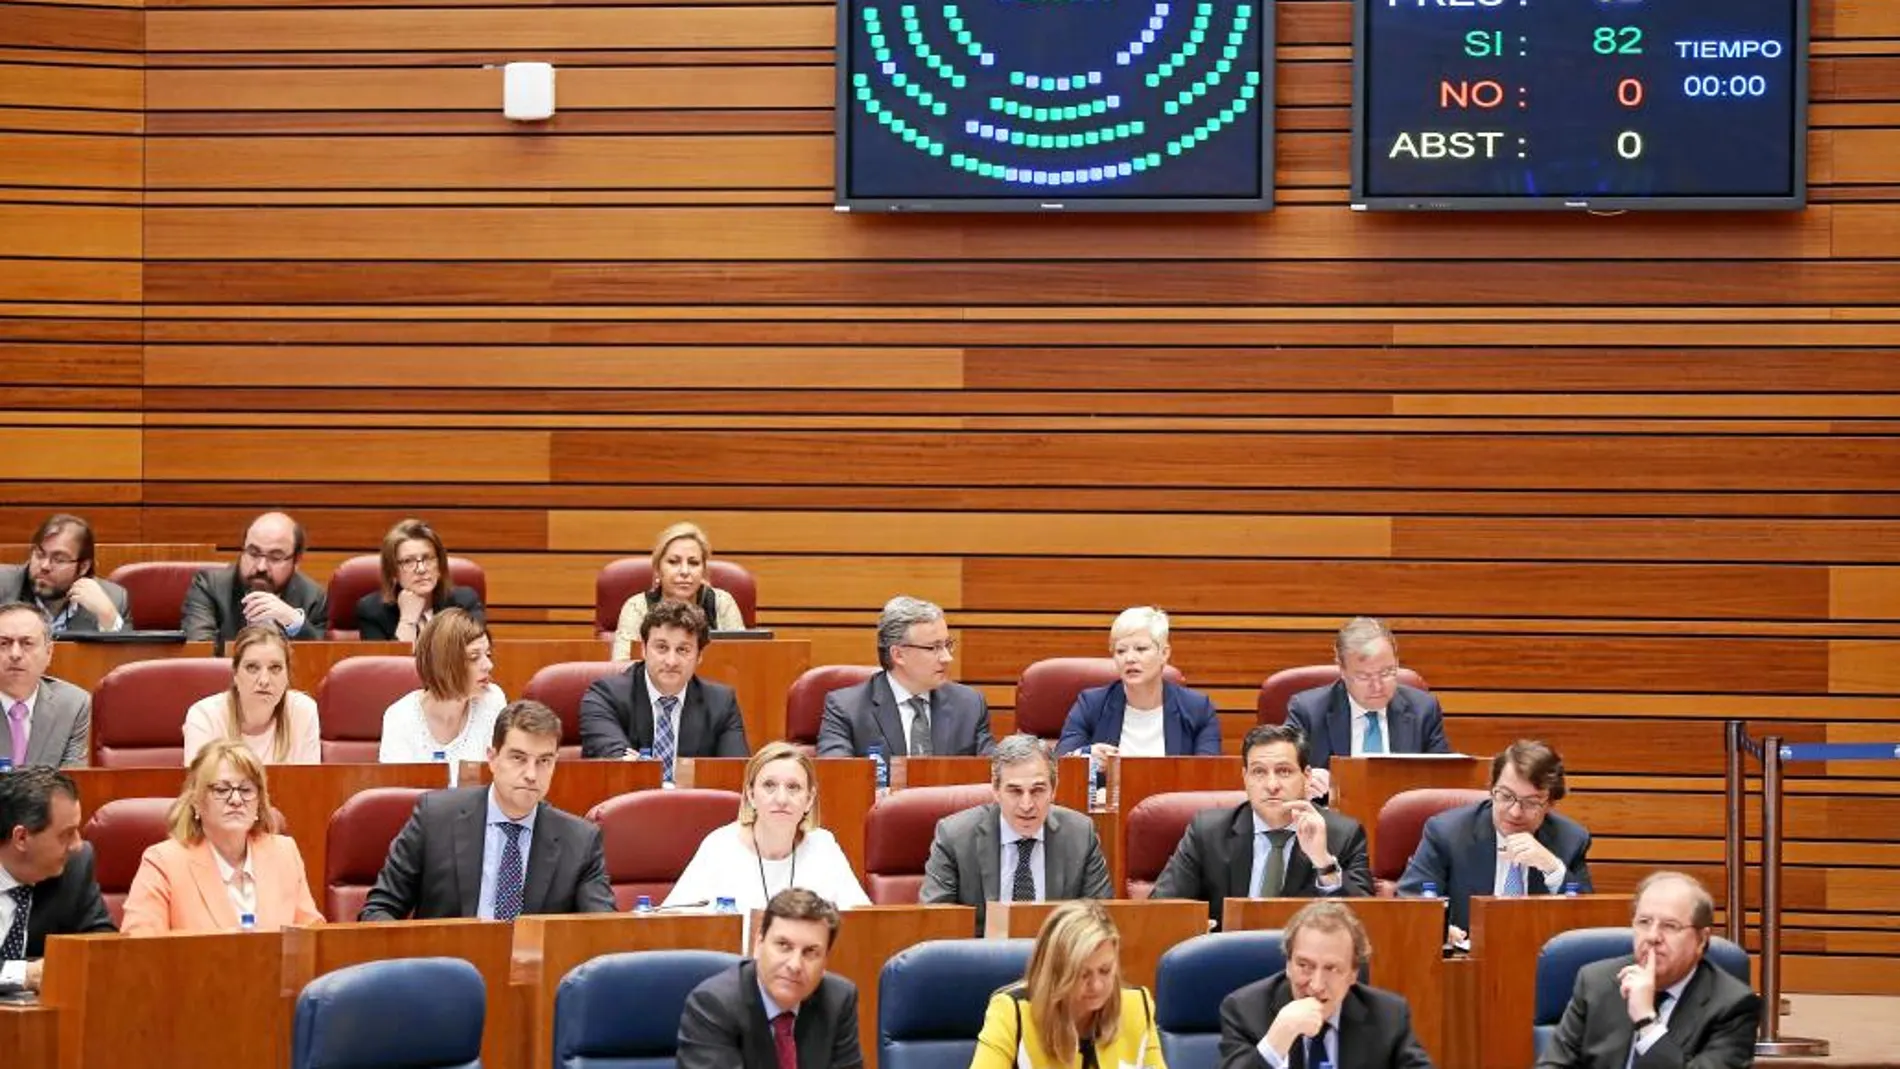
point(1148, 928)
point(872, 935)
point(1362, 785)
point(168, 1001)
point(487, 945)
point(108, 556)
point(29, 1033)
point(547, 948)
point(1407, 951)
point(846, 789)
point(1506, 935)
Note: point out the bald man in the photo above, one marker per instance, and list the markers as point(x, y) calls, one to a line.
point(263, 586)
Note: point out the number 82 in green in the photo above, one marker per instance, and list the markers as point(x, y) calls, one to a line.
point(1618, 41)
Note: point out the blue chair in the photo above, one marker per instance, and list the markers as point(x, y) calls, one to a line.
point(622, 1011)
point(1191, 980)
point(931, 999)
point(404, 1013)
point(1566, 953)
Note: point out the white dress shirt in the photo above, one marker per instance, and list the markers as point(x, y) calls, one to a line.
point(239, 883)
point(11, 972)
point(905, 712)
point(1359, 715)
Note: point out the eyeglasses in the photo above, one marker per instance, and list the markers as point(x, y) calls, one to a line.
point(1506, 799)
point(416, 564)
point(948, 645)
point(275, 558)
point(1384, 675)
point(243, 792)
point(57, 560)
point(1670, 928)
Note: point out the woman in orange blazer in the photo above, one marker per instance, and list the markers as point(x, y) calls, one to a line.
point(224, 867)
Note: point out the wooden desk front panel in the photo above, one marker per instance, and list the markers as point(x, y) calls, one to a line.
point(1148, 928)
point(1506, 935)
point(872, 935)
point(1362, 785)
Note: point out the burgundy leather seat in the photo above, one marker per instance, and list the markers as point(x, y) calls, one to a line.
point(351, 700)
point(560, 687)
point(649, 836)
point(155, 590)
point(357, 844)
point(1049, 687)
point(897, 834)
point(1401, 824)
point(138, 709)
point(1154, 828)
point(805, 699)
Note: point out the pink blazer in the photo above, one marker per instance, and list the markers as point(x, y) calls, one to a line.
point(177, 889)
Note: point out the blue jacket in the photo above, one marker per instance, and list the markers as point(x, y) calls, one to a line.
point(1190, 726)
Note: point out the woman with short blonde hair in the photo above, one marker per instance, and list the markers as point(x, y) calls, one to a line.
point(1071, 1002)
point(682, 567)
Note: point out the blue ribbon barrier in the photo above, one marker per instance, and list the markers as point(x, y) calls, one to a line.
point(1841, 751)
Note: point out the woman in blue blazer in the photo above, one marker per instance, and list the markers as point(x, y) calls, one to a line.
point(1142, 714)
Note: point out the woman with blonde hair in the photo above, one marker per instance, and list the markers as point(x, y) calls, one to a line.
point(260, 709)
point(224, 867)
point(452, 716)
point(1071, 1009)
point(682, 558)
point(776, 842)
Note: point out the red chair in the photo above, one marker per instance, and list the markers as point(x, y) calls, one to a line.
point(1281, 686)
point(1154, 828)
point(805, 700)
point(357, 844)
point(897, 835)
point(649, 836)
point(155, 590)
point(138, 709)
point(351, 700)
point(1401, 825)
point(120, 832)
point(628, 576)
point(1049, 687)
point(364, 575)
point(560, 687)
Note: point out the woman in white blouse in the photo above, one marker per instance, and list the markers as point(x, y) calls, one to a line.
point(260, 708)
point(453, 716)
point(776, 842)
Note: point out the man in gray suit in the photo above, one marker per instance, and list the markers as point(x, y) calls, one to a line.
point(1049, 852)
point(499, 851)
point(58, 578)
point(45, 721)
point(263, 586)
point(911, 709)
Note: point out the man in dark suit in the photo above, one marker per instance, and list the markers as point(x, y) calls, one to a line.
point(780, 1010)
point(264, 586)
point(911, 708)
point(47, 885)
point(499, 851)
point(1277, 844)
point(1316, 1011)
point(696, 718)
point(59, 578)
point(1368, 711)
point(43, 721)
point(1509, 844)
point(1663, 1007)
point(1020, 848)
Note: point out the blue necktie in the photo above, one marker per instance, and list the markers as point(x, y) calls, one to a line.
point(1513, 881)
point(664, 744)
point(508, 875)
point(1374, 742)
point(13, 947)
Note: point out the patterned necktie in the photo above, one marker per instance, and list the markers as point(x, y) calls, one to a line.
point(1313, 1048)
point(1662, 999)
point(16, 723)
point(920, 727)
point(13, 947)
point(508, 876)
point(1022, 886)
point(1374, 741)
point(783, 1042)
point(1513, 881)
point(665, 745)
point(1274, 879)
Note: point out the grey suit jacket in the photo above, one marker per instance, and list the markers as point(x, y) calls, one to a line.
point(1375, 1027)
point(856, 717)
point(617, 716)
point(1214, 860)
point(724, 1026)
point(61, 728)
point(966, 859)
point(435, 865)
point(214, 606)
point(1713, 1027)
point(1416, 723)
point(16, 585)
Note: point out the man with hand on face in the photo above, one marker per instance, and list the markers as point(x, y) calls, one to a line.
point(43, 721)
point(1368, 711)
point(780, 1010)
point(1020, 848)
point(499, 851)
point(58, 578)
point(1316, 1012)
point(47, 886)
point(1663, 1007)
point(1510, 844)
point(660, 704)
point(911, 709)
point(1276, 845)
point(264, 586)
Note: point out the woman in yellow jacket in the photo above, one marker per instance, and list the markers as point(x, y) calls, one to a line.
point(1071, 1011)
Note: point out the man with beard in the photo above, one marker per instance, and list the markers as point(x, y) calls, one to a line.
point(58, 579)
point(264, 586)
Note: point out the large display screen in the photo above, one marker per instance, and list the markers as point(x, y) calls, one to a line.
point(1597, 104)
point(1138, 105)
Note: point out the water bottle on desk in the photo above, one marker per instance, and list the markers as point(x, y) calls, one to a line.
point(726, 905)
point(1572, 888)
point(881, 768)
point(247, 922)
point(643, 904)
point(6, 765)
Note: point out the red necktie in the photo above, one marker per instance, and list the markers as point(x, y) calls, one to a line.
point(782, 1039)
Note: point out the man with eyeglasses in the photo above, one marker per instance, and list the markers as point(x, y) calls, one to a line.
point(1315, 1012)
point(1368, 711)
point(43, 721)
point(263, 586)
point(1662, 1007)
point(1510, 844)
point(910, 709)
point(58, 578)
